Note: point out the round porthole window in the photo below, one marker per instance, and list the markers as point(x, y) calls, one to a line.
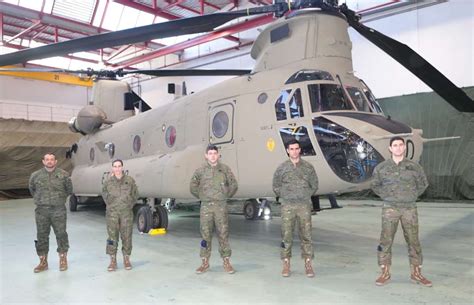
point(170, 136)
point(92, 154)
point(262, 98)
point(220, 124)
point(137, 144)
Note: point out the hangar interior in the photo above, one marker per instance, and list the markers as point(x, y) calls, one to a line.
point(35, 109)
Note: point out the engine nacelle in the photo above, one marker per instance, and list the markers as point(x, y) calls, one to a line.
point(88, 120)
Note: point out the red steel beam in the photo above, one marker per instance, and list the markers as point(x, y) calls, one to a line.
point(25, 31)
point(221, 33)
point(1, 27)
point(160, 13)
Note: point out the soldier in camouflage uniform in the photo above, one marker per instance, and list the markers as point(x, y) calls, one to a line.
point(120, 194)
point(213, 183)
point(399, 182)
point(50, 187)
point(294, 182)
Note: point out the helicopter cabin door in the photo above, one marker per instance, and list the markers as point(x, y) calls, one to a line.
point(221, 130)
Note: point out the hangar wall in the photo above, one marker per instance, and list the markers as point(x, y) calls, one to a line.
point(31, 99)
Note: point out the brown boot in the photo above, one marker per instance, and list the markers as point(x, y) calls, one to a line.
point(126, 262)
point(113, 263)
point(384, 278)
point(204, 266)
point(308, 267)
point(63, 261)
point(227, 266)
point(286, 268)
point(43, 264)
point(417, 278)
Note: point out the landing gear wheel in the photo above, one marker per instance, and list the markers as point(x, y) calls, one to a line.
point(160, 217)
point(73, 203)
point(144, 219)
point(251, 209)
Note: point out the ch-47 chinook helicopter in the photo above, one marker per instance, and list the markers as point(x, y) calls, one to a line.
point(302, 87)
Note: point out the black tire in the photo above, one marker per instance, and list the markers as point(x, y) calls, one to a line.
point(251, 209)
point(160, 217)
point(144, 219)
point(73, 203)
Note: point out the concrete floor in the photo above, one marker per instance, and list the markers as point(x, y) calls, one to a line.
point(345, 242)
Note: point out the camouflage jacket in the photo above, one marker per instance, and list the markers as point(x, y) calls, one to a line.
point(213, 183)
point(295, 184)
point(399, 184)
point(50, 188)
point(119, 194)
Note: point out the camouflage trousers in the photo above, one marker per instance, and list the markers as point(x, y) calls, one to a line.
point(119, 223)
point(47, 217)
point(408, 217)
point(214, 215)
point(290, 215)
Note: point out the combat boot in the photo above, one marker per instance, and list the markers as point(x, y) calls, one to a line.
point(286, 268)
point(113, 263)
point(227, 266)
point(63, 261)
point(308, 267)
point(126, 262)
point(204, 266)
point(43, 264)
point(384, 278)
point(417, 278)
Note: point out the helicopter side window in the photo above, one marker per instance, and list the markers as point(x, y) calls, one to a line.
point(327, 97)
point(300, 134)
point(373, 102)
point(358, 98)
point(170, 136)
point(296, 105)
point(220, 124)
point(280, 106)
point(350, 157)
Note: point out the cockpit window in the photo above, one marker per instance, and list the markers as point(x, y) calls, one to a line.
point(296, 105)
point(280, 106)
point(358, 98)
point(300, 134)
point(373, 102)
point(326, 97)
point(306, 75)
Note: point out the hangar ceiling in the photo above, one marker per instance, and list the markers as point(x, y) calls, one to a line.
point(33, 23)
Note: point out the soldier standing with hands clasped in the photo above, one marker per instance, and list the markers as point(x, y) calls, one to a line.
point(50, 187)
point(120, 193)
point(399, 182)
point(213, 183)
point(294, 182)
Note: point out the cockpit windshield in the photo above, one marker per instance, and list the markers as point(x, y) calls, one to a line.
point(359, 99)
point(327, 97)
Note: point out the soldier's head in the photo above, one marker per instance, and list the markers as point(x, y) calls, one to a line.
point(212, 154)
point(397, 147)
point(293, 148)
point(49, 161)
point(117, 168)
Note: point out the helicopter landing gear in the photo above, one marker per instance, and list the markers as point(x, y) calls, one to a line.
point(151, 217)
point(257, 209)
point(73, 203)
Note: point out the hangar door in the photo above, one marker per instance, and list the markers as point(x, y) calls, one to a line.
point(221, 122)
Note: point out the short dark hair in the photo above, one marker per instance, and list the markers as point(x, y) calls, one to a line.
point(117, 160)
point(396, 138)
point(49, 153)
point(211, 147)
point(291, 142)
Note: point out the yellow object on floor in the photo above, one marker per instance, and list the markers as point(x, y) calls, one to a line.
point(159, 231)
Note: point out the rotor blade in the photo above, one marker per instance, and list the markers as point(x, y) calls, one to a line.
point(190, 72)
point(193, 25)
point(414, 63)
